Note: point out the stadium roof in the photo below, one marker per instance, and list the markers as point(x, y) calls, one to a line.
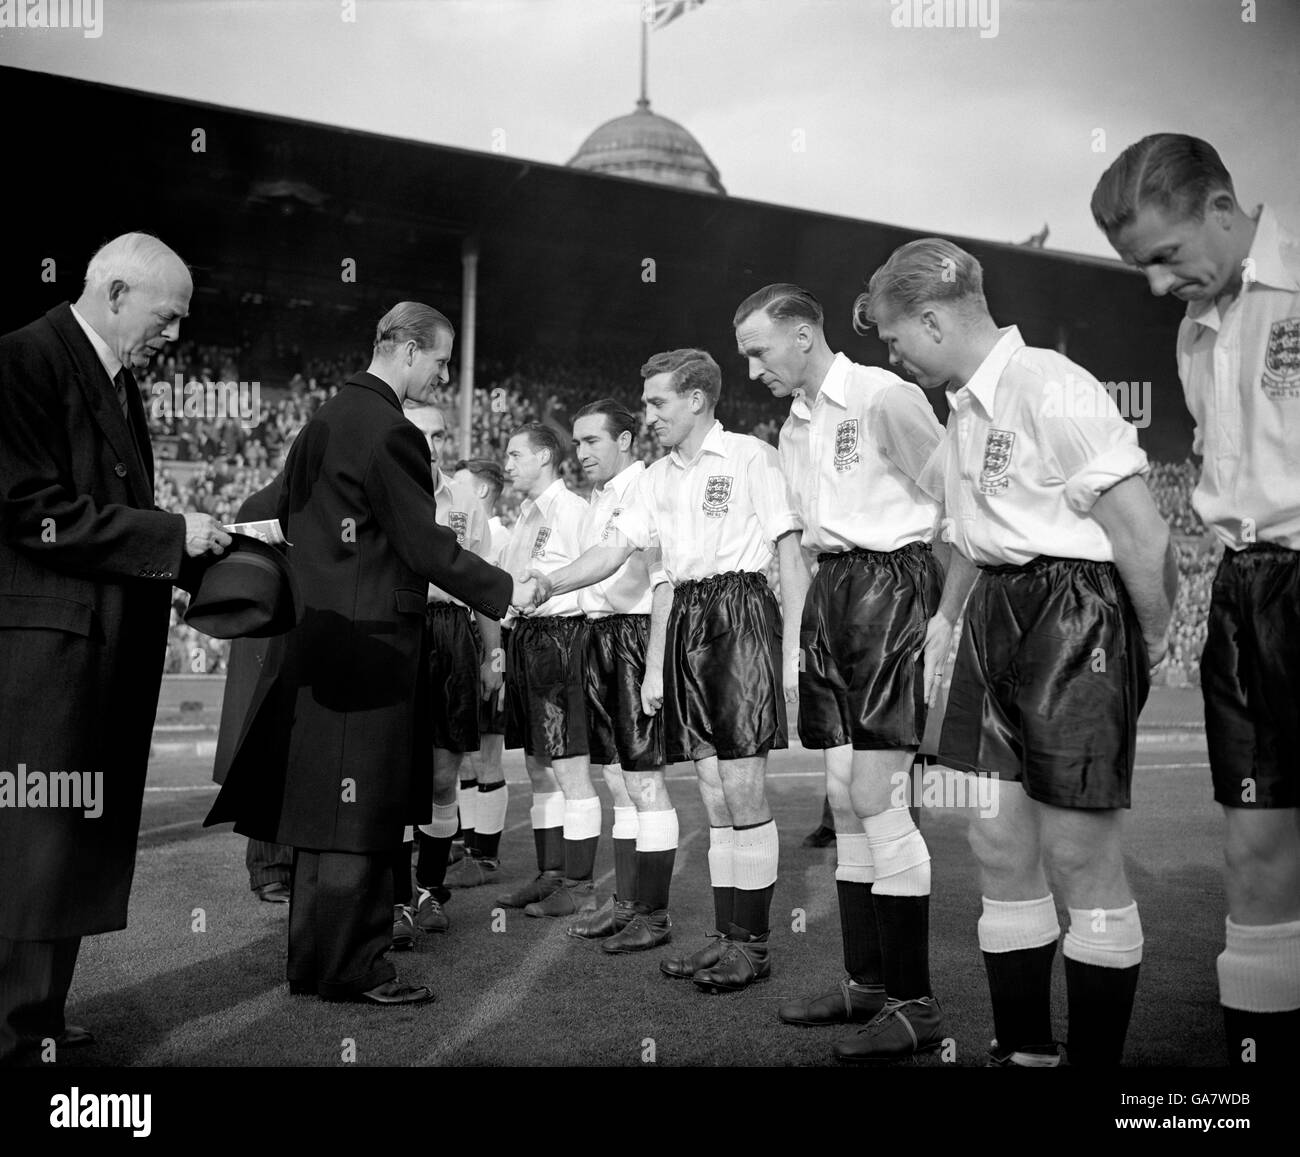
point(269, 207)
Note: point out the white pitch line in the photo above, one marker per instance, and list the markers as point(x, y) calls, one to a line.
point(172, 828)
point(188, 787)
point(504, 997)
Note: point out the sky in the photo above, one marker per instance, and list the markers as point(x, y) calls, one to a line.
point(820, 104)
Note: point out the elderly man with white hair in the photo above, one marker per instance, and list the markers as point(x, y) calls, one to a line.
point(87, 563)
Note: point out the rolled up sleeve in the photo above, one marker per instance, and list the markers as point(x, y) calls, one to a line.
point(1087, 443)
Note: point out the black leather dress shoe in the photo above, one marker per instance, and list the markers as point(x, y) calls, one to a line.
point(395, 993)
point(273, 893)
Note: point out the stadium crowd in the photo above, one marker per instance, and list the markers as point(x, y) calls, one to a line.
point(213, 464)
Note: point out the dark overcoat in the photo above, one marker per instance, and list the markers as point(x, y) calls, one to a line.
point(247, 658)
point(87, 563)
point(336, 754)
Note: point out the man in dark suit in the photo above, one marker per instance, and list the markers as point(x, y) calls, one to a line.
point(87, 563)
point(269, 864)
point(336, 757)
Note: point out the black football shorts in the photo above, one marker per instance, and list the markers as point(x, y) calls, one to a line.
point(1051, 676)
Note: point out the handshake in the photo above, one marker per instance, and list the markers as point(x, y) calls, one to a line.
point(532, 589)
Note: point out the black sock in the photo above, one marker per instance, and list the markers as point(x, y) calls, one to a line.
point(488, 847)
point(1101, 1003)
point(751, 909)
point(431, 867)
point(1263, 1037)
point(860, 933)
point(904, 944)
point(625, 869)
point(402, 874)
point(828, 816)
point(580, 858)
point(550, 848)
point(724, 903)
point(654, 877)
point(1020, 987)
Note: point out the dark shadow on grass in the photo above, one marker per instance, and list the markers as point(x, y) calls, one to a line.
point(130, 1022)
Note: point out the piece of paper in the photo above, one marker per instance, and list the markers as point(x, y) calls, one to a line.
point(268, 531)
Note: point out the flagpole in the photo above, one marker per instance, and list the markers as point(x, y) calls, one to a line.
point(644, 102)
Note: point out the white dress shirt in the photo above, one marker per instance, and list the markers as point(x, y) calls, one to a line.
point(1032, 441)
point(459, 510)
point(545, 537)
point(721, 511)
point(852, 458)
point(627, 591)
point(1241, 377)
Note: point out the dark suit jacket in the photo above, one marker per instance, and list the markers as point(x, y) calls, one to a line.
point(248, 657)
point(337, 754)
point(87, 564)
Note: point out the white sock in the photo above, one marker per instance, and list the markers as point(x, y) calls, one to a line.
point(721, 843)
point(547, 810)
point(657, 831)
point(582, 818)
point(898, 853)
point(1013, 925)
point(754, 857)
point(443, 823)
point(467, 801)
point(625, 823)
point(853, 858)
point(1259, 969)
point(490, 811)
point(1106, 937)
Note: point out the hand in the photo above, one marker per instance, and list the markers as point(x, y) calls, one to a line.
point(1157, 650)
point(652, 692)
point(203, 533)
point(524, 595)
point(490, 679)
point(545, 584)
point(938, 642)
point(790, 677)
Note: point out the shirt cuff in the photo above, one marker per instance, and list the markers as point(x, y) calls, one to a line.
point(783, 524)
point(1084, 488)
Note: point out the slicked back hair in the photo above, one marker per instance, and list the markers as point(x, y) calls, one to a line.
point(918, 274)
point(541, 437)
point(410, 321)
point(618, 418)
point(691, 369)
point(781, 302)
point(1168, 171)
point(485, 470)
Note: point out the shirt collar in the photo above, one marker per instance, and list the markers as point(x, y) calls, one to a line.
point(621, 481)
point(440, 482)
point(1267, 268)
point(545, 500)
point(983, 383)
point(713, 444)
point(834, 387)
point(112, 363)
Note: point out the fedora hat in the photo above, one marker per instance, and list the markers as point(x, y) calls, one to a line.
point(246, 593)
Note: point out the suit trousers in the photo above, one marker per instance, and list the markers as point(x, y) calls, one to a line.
point(340, 922)
point(35, 976)
point(268, 863)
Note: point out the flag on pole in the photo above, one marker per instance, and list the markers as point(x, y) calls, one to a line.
point(664, 12)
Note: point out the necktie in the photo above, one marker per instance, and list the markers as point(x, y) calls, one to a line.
point(124, 381)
